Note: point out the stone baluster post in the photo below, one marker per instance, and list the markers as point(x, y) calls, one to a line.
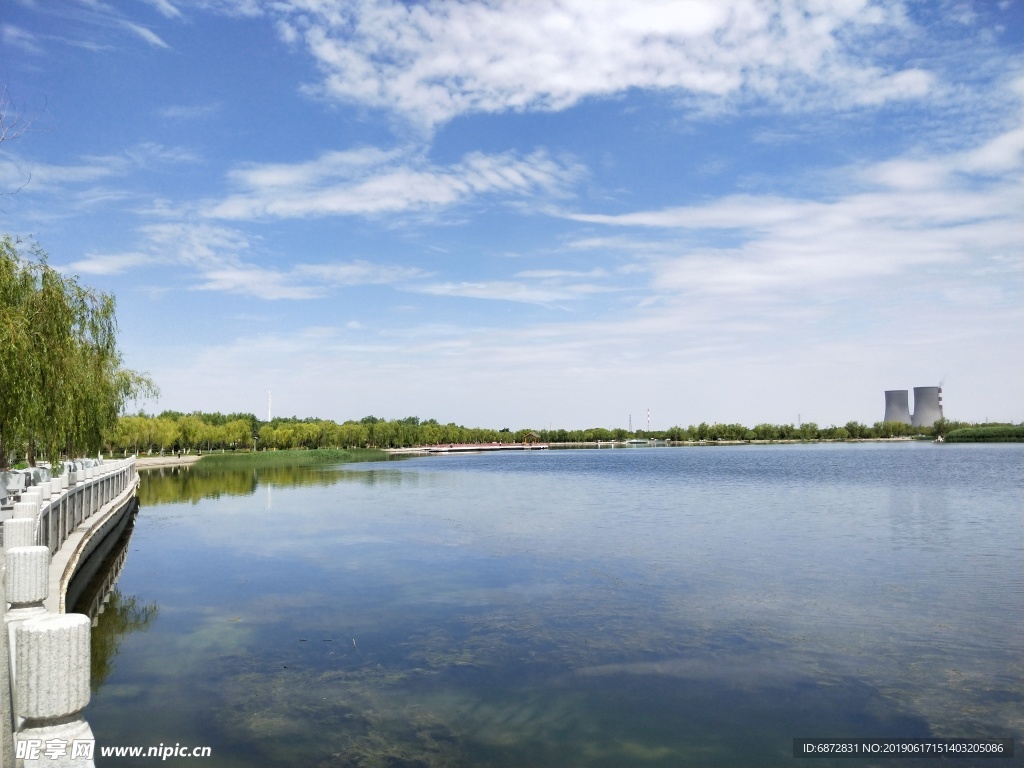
point(26, 508)
point(34, 495)
point(28, 579)
point(51, 688)
point(23, 510)
point(19, 532)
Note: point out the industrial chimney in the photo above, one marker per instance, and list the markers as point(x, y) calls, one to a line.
point(897, 406)
point(927, 406)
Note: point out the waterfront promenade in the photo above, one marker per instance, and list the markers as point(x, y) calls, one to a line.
point(44, 654)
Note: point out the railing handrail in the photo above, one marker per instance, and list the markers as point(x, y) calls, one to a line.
point(49, 652)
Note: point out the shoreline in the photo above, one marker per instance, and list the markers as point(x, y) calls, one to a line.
point(148, 462)
point(424, 450)
point(151, 462)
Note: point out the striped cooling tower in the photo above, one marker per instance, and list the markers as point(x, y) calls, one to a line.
point(897, 407)
point(927, 406)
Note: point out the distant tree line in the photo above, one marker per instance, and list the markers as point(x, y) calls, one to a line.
point(62, 385)
point(852, 430)
point(193, 432)
point(173, 431)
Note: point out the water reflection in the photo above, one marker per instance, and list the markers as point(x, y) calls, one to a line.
point(119, 616)
point(94, 593)
point(681, 609)
point(191, 484)
point(97, 575)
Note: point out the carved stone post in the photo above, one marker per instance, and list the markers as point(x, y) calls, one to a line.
point(19, 532)
point(35, 493)
point(51, 688)
point(28, 582)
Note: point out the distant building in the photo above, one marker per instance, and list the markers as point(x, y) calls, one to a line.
point(897, 406)
point(927, 406)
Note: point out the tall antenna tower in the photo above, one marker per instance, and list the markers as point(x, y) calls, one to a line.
point(268, 405)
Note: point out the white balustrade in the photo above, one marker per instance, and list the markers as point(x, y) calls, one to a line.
point(49, 653)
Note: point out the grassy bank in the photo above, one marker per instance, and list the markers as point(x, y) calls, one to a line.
point(320, 456)
point(1000, 433)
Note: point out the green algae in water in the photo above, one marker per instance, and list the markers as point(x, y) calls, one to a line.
point(508, 687)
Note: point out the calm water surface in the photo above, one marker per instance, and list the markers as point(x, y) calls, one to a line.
point(641, 607)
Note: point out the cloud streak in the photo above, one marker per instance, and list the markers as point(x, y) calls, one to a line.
point(436, 60)
point(913, 219)
point(370, 181)
point(220, 260)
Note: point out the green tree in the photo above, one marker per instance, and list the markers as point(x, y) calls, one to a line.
point(190, 428)
point(165, 433)
point(892, 429)
point(64, 386)
point(856, 429)
point(808, 431)
point(238, 433)
point(268, 436)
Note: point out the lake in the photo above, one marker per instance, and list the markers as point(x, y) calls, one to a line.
point(631, 607)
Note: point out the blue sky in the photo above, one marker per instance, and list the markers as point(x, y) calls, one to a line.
point(520, 214)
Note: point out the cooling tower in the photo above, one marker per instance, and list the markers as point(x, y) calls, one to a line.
point(897, 406)
point(927, 406)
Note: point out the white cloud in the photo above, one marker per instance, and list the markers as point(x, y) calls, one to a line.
point(357, 273)
point(107, 264)
point(549, 274)
point(260, 283)
point(16, 37)
point(370, 181)
point(47, 177)
point(149, 154)
point(60, 179)
point(912, 222)
point(166, 8)
point(1000, 155)
point(221, 259)
point(432, 61)
point(812, 300)
point(145, 33)
point(91, 25)
point(189, 111)
point(544, 292)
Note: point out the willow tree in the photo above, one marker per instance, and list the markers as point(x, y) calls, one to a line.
point(16, 286)
point(62, 385)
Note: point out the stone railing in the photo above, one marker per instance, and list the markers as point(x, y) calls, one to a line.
point(46, 651)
